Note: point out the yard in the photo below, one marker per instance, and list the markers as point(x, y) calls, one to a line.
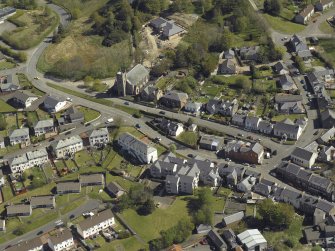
point(89, 114)
point(5, 64)
point(287, 116)
point(4, 107)
point(283, 25)
point(189, 138)
point(26, 84)
point(33, 27)
point(328, 49)
point(83, 159)
point(160, 219)
point(326, 28)
point(129, 244)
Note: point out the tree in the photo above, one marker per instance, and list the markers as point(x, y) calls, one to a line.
point(279, 215)
point(300, 64)
point(243, 83)
point(148, 207)
point(190, 121)
point(19, 231)
point(173, 148)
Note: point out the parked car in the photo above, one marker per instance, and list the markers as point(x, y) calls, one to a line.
point(126, 103)
point(158, 139)
point(138, 126)
point(162, 112)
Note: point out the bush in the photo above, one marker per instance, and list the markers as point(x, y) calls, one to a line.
point(19, 231)
point(124, 234)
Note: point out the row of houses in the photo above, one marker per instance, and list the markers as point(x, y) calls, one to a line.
point(285, 129)
point(306, 14)
point(183, 176)
point(63, 239)
point(63, 148)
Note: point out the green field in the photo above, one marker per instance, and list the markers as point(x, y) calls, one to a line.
point(89, 114)
point(328, 46)
point(5, 64)
point(326, 28)
point(287, 116)
point(160, 219)
point(282, 25)
point(4, 107)
point(35, 25)
point(189, 138)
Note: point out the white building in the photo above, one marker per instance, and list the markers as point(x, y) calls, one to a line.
point(53, 104)
point(99, 137)
point(2, 142)
point(44, 126)
point(253, 240)
point(137, 148)
point(67, 147)
point(20, 136)
point(303, 157)
point(93, 225)
point(63, 240)
point(25, 161)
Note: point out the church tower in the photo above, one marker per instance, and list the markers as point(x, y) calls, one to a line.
point(121, 81)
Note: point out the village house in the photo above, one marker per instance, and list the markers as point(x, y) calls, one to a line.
point(303, 157)
point(68, 187)
point(96, 179)
point(252, 123)
point(170, 127)
point(23, 99)
point(210, 142)
point(225, 108)
point(193, 107)
point(265, 127)
point(327, 136)
point(238, 120)
point(37, 157)
point(296, 44)
point(280, 68)
point(323, 5)
point(137, 148)
point(286, 129)
point(92, 225)
point(2, 225)
point(231, 174)
point(227, 67)
point(114, 190)
point(132, 82)
point(20, 136)
point(246, 184)
point(72, 115)
point(250, 53)
point(305, 55)
point(209, 173)
point(35, 244)
point(233, 218)
point(228, 54)
point(244, 152)
point(18, 210)
point(327, 153)
point(20, 163)
point(61, 241)
point(288, 103)
point(53, 104)
point(286, 82)
point(45, 201)
point(217, 240)
point(7, 84)
point(328, 118)
point(2, 178)
point(42, 127)
point(184, 182)
point(166, 28)
point(174, 100)
point(151, 94)
point(305, 15)
point(67, 147)
point(99, 137)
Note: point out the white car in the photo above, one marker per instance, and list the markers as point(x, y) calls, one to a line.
point(69, 99)
point(110, 120)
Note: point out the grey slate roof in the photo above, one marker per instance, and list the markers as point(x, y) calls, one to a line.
point(19, 132)
point(42, 200)
point(51, 101)
point(171, 29)
point(302, 153)
point(265, 125)
point(175, 95)
point(229, 219)
point(66, 142)
point(282, 98)
point(96, 219)
point(68, 186)
point(114, 187)
point(99, 132)
point(38, 153)
point(61, 236)
point(285, 127)
point(21, 96)
point(137, 74)
point(217, 239)
point(44, 123)
point(91, 178)
point(31, 244)
point(18, 209)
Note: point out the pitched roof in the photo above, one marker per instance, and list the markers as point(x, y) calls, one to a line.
point(44, 123)
point(61, 236)
point(265, 125)
point(217, 239)
point(99, 132)
point(287, 128)
point(38, 153)
point(114, 187)
point(281, 98)
point(328, 114)
point(91, 178)
point(232, 218)
point(287, 82)
point(136, 143)
point(42, 200)
point(31, 244)
point(96, 219)
point(325, 2)
point(23, 97)
point(171, 29)
point(307, 10)
point(67, 142)
point(19, 132)
point(137, 74)
point(18, 209)
point(302, 153)
point(251, 238)
point(51, 101)
point(174, 95)
point(68, 186)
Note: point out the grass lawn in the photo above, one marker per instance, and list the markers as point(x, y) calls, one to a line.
point(189, 138)
point(89, 114)
point(129, 244)
point(4, 107)
point(48, 172)
point(126, 184)
point(4, 65)
point(160, 219)
point(80, 8)
point(287, 116)
point(164, 83)
point(42, 114)
point(332, 93)
point(35, 25)
point(7, 192)
point(160, 149)
point(265, 85)
point(326, 28)
point(9, 149)
point(282, 25)
point(87, 56)
point(328, 45)
point(83, 159)
point(32, 174)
